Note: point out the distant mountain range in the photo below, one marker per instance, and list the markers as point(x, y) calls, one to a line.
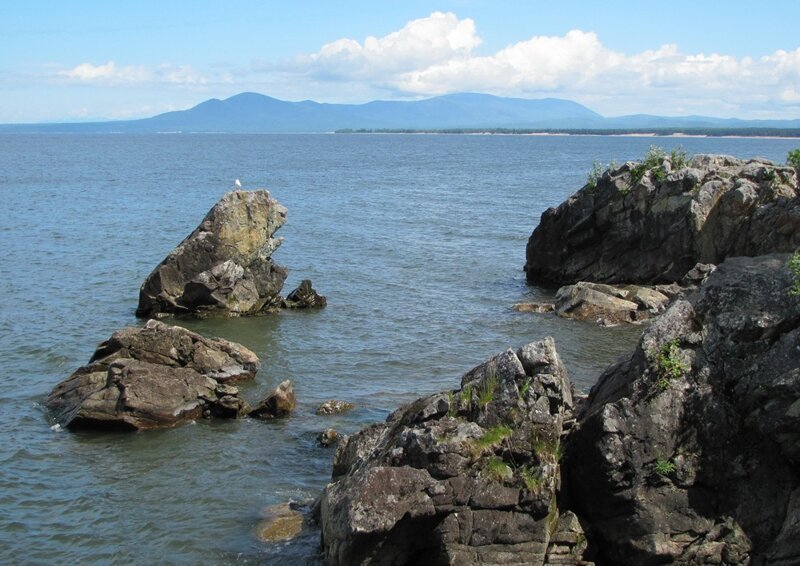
point(255, 113)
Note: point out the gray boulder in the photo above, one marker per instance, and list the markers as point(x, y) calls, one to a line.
point(688, 450)
point(654, 225)
point(224, 267)
point(462, 477)
point(154, 377)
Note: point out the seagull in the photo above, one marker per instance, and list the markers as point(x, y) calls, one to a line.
point(237, 184)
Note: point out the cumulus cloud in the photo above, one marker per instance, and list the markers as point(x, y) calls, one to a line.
point(439, 55)
point(419, 44)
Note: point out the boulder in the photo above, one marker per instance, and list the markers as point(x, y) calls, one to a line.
point(152, 377)
point(334, 407)
point(224, 267)
point(304, 297)
point(688, 450)
point(467, 476)
point(279, 403)
point(649, 226)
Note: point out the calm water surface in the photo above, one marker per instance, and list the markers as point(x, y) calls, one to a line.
point(417, 241)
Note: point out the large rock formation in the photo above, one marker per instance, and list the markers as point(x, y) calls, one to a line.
point(462, 477)
point(688, 450)
point(223, 267)
point(652, 222)
point(152, 377)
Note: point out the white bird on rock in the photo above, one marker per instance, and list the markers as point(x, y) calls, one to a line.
point(237, 184)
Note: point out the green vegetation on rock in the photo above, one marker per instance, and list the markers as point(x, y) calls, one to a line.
point(794, 267)
point(669, 363)
point(498, 470)
point(793, 158)
point(487, 388)
point(664, 467)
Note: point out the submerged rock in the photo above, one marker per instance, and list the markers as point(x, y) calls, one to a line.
point(462, 477)
point(224, 267)
point(334, 407)
point(328, 437)
point(280, 523)
point(639, 225)
point(152, 377)
point(688, 450)
point(304, 297)
point(279, 403)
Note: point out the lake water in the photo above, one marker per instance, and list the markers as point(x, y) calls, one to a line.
point(418, 241)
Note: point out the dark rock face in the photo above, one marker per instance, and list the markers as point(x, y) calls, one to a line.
point(152, 377)
point(304, 297)
point(224, 267)
point(688, 451)
point(279, 403)
point(462, 477)
point(656, 229)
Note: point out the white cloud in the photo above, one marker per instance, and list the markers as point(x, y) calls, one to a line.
point(439, 55)
point(110, 74)
point(107, 73)
point(419, 44)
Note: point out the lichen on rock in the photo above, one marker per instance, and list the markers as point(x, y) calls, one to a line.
point(224, 267)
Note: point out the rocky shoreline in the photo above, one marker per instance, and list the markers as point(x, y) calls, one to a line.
point(685, 451)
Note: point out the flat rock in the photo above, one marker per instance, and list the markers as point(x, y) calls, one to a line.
point(224, 266)
point(608, 304)
point(153, 377)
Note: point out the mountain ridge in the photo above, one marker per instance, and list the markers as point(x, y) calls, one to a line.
point(250, 112)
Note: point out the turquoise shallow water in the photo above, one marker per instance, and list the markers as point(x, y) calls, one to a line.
point(417, 241)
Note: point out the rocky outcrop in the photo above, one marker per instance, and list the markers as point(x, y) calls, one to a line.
point(279, 403)
point(463, 477)
point(688, 450)
point(304, 297)
point(224, 267)
point(651, 222)
point(152, 377)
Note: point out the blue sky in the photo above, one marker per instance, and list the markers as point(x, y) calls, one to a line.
point(84, 60)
